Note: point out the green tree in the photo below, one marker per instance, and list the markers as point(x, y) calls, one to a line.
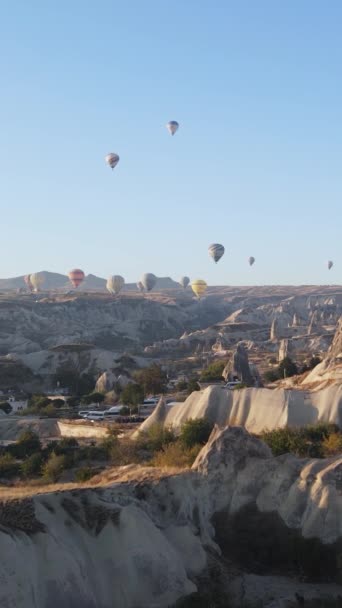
point(53, 468)
point(213, 372)
point(194, 432)
point(287, 368)
point(193, 386)
point(73, 401)
point(153, 379)
point(28, 443)
point(5, 407)
point(314, 361)
point(38, 401)
point(9, 467)
point(32, 466)
point(272, 375)
point(182, 385)
point(132, 394)
point(93, 398)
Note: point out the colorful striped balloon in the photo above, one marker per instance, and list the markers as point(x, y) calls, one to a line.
point(76, 277)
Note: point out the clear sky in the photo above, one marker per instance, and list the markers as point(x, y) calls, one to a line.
point(256, 165)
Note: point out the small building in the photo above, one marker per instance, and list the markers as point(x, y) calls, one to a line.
point(18, 404)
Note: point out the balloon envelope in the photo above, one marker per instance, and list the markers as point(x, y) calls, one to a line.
point(199, 287)
point(216, 251)
point(330, 264)
point(172, 126)
point(36, 280)
point(76, 276)
point(140, 286)
point(251, 260)
point(112, 160)
point(184, 281)
point(115, 284)
point(148, 280)
point(27, 279)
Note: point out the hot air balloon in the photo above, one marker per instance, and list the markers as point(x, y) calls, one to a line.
point(199, 287)
point(140, 286)
point(112, 160)
point(148, 280)
point(76, 277)
point(115, 284)
point(184, 281)
point(330, 264)
point(36, 280)
point(172, 126)
point(251, 260)
point(216, 251)
point(27, 279)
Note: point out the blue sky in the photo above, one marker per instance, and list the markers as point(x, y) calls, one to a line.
point(256, 164)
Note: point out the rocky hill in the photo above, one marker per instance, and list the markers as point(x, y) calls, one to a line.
point(53, 281)
point(90, 330)
point(241, 525)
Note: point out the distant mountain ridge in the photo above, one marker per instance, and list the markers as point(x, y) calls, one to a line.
point(56, 281)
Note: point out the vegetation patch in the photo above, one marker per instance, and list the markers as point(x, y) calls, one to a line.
point(20, 515)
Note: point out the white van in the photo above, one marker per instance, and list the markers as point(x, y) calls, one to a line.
point(93, 416)
point(231, 385)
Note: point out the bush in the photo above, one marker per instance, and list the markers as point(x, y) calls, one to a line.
point(193, 386)
point(38, 401)
point(152, 379)
point(93, 398)
point(182, 385)
point(9, 467)
point(271, 375)
point(132, 394)
point(213, 372)
point(84, 474)
point(27, 444)
point(5, 407)
point(195, 432)
point(53, 468)
point(239, 386)
point(307, 441)
point(176, 455)
point(32, 466)
point(155, 438)
point(332, 445)
point(124, 452)
point(287, 368)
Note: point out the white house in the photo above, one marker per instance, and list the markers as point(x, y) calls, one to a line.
point(17, 405)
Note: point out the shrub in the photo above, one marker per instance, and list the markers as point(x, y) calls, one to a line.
point(307, 441)
point(193, 386)
point(213, 372)
point(32, 466)
point(93, 398)
point(271, 375)
point(176, 455)
point(239, 386)
point(153, 379)
point(124, 452)
point(28, 443)
point(155, 438)
point(84, 474)
point(132, 394)
point(182, 385)
point(9, 467)
point(53, 468)
point(5, 407)
point(332, 445)
point(194, 432)
point(287, 368)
